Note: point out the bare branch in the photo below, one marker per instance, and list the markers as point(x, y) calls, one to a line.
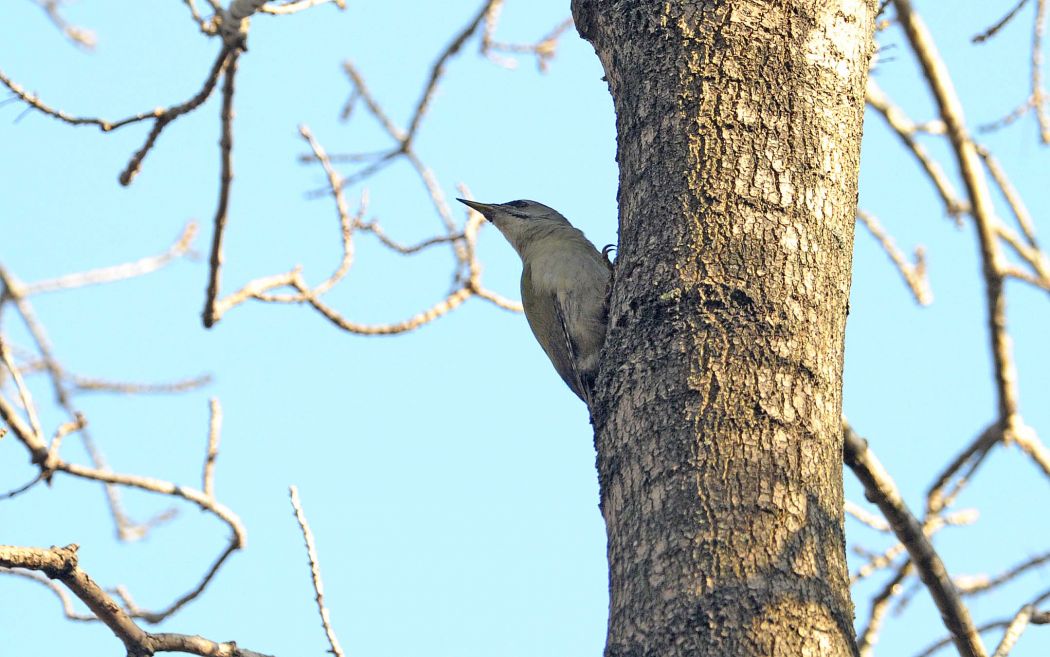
point(1029, 442)
point(914, 274)
point(991, 31)
point(214, 430)
point(315, 572)
point(463, 242)
point(438, 69)
point(1039, 95)
point(242, 9)
point(1014, 630)
point(500, 301)
point(880, 489)
point(1030, 251)
point(203, 501)
point(195, 13)
point(61, 564)
point(870, 519)
point(374, 228)
point(118, 272)
point(91, 384)
point(358, 83)
point(50, 463)
point(980, 583)
point(543, 49)
point(1036, 618)
point(161, 116)
point(906, 130)
point(12, 289)
point(937, 499)
point(23, 391)
point(79, 383)
point(1038, 99)
point(211, 315)
point(295, 6)
point(932, 525)
point(439, 309)
point(346, 223)
point(225, 58)
point(32, 439)
point(66, 428)
point(78, 36)
point(15, 492)
point(879, 605)
point(61, 593)
point(982, 209)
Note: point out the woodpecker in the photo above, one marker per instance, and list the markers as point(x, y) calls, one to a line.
point(564, 286)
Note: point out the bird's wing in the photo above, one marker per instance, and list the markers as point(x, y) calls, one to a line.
point(570, 348)
point(546, 314)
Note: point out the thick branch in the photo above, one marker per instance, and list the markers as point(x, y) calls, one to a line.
point(61, 564)
point(880, 489)
point(981, 205)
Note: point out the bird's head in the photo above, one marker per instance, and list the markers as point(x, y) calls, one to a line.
point(521, 222)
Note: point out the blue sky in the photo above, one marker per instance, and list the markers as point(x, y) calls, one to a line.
point(447, 473)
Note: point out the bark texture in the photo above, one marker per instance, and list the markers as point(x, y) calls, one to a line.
point(718, 409)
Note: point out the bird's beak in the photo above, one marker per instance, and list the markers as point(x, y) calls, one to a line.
point(483, 208)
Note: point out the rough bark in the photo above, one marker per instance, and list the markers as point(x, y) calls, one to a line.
point(718, 410)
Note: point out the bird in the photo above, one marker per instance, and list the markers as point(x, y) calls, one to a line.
point(565, 284)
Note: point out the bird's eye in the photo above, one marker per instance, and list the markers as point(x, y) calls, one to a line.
point(517, 204)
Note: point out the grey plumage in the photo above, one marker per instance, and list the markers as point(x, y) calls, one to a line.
point(564, 286)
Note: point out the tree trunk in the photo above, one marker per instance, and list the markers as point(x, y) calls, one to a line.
point(718, 410)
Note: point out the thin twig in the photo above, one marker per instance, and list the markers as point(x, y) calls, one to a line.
point(544, 49)
point(879, 605)
point(409, 249)
point(214, 431)
point(15, 492)
point(870, 519)
point(1036, 618)
point(66, 428)
point(315, 572)
point(438, 68)
point(117, 272)
point(991, 31)
point(1039, 95)
point(91, 384)
point(161, 116)
point(298, 5)
point(23, 392)
point(987, 627)
point(346, 223)
point(940, 495)
point(1037, 99)
point(914, 275)
point(1011, 195)
point(906, 129)
point(932, 525)
point(78, 36)
point(127, 530)
point(68, 610)
point(1014, 630)
point(437, 310)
